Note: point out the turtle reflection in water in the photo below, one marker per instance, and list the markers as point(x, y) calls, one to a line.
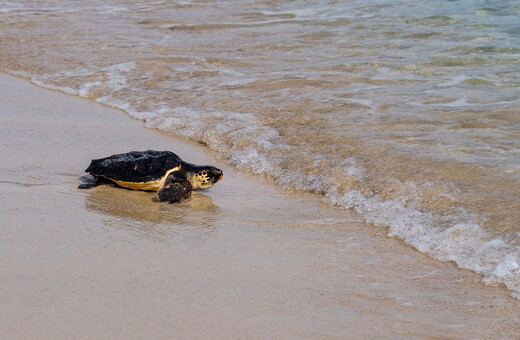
point(160, 171)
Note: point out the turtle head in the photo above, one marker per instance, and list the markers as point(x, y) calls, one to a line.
point(203, 177)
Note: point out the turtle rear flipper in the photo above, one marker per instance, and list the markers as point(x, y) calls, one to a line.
point(90, 181)
point(86, 185)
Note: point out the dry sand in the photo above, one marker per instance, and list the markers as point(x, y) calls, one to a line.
point(242, 260)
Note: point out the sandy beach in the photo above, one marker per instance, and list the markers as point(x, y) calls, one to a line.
point(242, 260)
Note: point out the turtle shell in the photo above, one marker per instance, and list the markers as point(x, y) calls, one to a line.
point(143, 170)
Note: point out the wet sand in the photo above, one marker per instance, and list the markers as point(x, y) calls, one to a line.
point(242, 260)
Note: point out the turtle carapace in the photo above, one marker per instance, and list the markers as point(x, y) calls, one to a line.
point(161, 171)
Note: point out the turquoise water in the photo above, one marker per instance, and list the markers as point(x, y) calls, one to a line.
point(406, 111)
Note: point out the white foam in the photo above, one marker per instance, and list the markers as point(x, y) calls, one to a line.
point(63, 89)
point(365, 88)
point(364, 102)
point(23, 8)
point(19, 73)
point(467, 244)
point(351, 168)
point(111, 9)
point(185, 3)
point(238, 82)
point(250, 158)
point(456, 103)
point(86, 87)
point(126, 107)
point(454, 81)
point(117, 80)
point(10, 6)
point(117, 74)
point(298, 13)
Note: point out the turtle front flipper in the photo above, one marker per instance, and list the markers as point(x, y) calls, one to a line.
point(175, 189)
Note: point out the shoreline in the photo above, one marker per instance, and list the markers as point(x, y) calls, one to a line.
point(240, 260)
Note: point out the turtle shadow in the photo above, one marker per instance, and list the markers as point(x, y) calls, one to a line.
point(142, 212)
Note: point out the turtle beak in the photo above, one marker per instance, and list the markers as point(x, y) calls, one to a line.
point(219, 176)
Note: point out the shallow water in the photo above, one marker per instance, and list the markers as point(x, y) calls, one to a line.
point(242, 258)
point(406, 111)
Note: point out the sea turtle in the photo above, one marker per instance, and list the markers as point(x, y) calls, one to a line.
point(161, 171)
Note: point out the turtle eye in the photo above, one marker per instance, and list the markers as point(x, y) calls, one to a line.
point(204, 172)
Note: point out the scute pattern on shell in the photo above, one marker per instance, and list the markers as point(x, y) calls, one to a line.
point(136, 166)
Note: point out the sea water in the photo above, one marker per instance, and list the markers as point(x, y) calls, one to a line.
point(406, 111)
